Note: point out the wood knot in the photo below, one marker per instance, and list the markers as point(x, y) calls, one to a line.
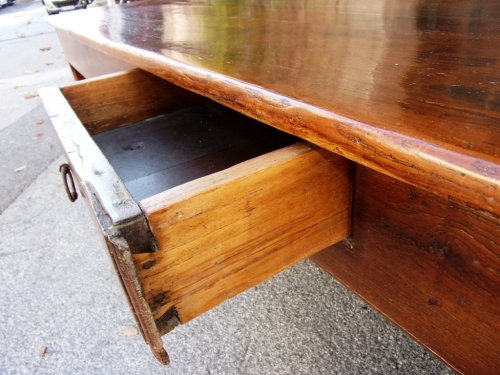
point(433, 302)
point(159, 298)
point(148, 264)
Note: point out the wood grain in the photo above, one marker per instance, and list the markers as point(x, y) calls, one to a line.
point(428, 264)
point(121, 222)
point(409, 88)
point(180, 146)
point(120, 99)
point(226, 232)
point(122, 260)
point(89, 62)
point(91, 168)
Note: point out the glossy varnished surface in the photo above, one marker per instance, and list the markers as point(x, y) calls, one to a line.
point(424, 68)
point(411, 88)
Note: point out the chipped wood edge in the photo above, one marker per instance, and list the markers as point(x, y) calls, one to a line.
point(123, 262)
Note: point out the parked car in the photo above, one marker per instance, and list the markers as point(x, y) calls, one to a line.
point(55, 6)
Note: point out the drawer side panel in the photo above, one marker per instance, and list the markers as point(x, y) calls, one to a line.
point(120, 99)
point(224, 233)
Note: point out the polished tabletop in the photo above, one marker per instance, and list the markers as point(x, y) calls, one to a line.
point(410, 88)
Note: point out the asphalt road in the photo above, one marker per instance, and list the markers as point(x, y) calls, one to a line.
point(61, 307)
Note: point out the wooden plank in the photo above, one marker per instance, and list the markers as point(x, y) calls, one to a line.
point(428, 264)
point(121, 222)
point(91, 168)
point(378, 83)
point(88, 62)
point(226, 232)
point(122, 260)
point(181, 146)
point(119, 99)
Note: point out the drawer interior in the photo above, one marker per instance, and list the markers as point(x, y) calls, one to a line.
point(230, 201)
point(196, 202)
point(168, 150)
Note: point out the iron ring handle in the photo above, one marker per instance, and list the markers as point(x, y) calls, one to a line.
point(65, 170)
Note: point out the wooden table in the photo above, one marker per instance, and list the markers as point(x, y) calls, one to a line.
point(408, 91)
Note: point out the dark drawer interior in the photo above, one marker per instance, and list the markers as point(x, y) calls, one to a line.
point(156, 154)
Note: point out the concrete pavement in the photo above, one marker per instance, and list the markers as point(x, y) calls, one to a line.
point(31, 58)
point(58, 289)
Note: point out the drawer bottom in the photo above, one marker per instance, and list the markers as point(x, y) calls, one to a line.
point(166, 151)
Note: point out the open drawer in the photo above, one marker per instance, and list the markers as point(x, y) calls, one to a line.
point(196, 202)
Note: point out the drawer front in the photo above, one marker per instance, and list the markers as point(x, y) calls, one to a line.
point(256, 203)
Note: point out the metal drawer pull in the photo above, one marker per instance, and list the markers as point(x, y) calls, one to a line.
point(65, 172)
